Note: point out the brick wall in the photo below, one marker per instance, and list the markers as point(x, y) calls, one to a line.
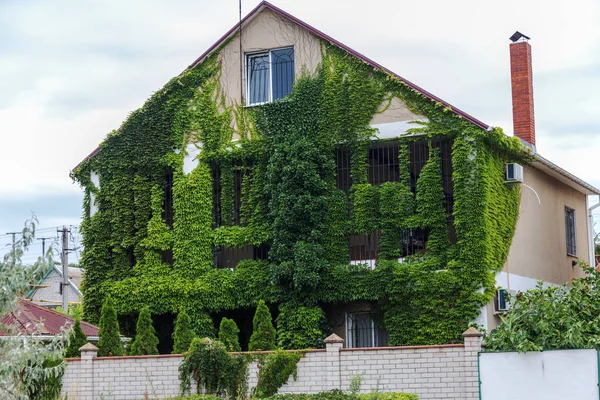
point(432, 372)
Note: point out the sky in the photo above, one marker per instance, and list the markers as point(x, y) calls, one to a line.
point(72, 70)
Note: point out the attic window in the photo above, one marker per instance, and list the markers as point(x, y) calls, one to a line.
point(269, 75)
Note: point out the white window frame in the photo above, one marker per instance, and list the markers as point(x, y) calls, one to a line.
point(268, 52)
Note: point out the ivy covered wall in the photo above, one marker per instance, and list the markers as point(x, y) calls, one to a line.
point(290, 202)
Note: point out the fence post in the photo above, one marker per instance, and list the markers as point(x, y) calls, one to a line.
point(86, 374)
point(473, 339)
point(333, 345)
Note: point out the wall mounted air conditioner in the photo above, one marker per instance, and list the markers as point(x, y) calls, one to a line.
point(502, 303)
point(514, 173)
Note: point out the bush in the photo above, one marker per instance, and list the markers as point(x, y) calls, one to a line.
point(77, 339)
point(195, 397)
point(110, 340)
point(213, 369)
point(183, 334)
point(556, 317)
point(263, 331)
point(145, 342)
point(275, 371)
point(228, 334)
point(48, 386)
point(300, 327)
point(339, 395)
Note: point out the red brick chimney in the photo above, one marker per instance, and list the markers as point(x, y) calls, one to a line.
point(521, 77)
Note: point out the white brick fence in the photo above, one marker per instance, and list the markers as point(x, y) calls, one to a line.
point(432, 372)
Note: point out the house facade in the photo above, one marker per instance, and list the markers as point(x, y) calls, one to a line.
point(284, 166)
point(48, 291)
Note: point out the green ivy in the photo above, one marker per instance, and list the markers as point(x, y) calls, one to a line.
point(286, 153)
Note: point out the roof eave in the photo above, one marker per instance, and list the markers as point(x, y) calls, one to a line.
point(548, 167)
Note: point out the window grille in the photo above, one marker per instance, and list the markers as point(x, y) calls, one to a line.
point(570, 231)
point(270, 75)
point(362, 332)
point(167, 213)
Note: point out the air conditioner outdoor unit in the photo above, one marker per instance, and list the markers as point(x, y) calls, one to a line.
point(514, 173)
point(502, 300)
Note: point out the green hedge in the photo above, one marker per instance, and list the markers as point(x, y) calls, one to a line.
point(196, 397)
point(339, 395)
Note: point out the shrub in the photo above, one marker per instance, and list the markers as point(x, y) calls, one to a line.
point(228, 334)
point(275, 372)
point(337, 394)
point(110, 341)
point(263, 331)
point(556, 317)
point(47, 386)
point(145, 342)
point(183, 334)
point(77, 339)
point(213, 369)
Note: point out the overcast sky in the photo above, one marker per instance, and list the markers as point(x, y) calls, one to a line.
point(72, 70)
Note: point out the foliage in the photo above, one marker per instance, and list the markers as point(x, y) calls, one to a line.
point(229, 335)
point(276, 371)
point(300, 327)
point(110, 340)
point(213, 369)
point(145, 342)
point(36, 367)
point(77, 339)
point(195, 397)
point(551, 318)
point(286, 157)
point(183, 334)
point(263, 331)
point(339, 395)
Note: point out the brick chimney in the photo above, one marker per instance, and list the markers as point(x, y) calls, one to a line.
point(521, 77)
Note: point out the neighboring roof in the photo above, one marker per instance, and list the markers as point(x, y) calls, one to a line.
point(28, 315)
point(75, 277)
point(553, 170)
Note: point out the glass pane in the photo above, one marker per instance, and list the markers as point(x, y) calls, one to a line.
point(258, 79)
point(283, 72)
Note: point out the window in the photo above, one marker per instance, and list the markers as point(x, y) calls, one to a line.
point(270, 75)
point(362, 332)
point(570, 229)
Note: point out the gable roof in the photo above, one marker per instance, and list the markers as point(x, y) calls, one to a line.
point(540, 163)
point(27, 316)
point(75, 277)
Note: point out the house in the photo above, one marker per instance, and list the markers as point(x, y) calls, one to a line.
point(48, 291)
point(31, 319)
point(285, 166)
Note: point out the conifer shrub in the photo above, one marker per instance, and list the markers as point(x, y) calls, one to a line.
point(229, 335)
point(145, 342)
point(77, 339)
point(110, 340)
point(263, 331)
point(183, 334)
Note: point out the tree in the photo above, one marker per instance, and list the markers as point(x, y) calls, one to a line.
point(183, 334)
point(145, 342)
point(110, 340)
point(263, 331)
point(228, 334)
point(77, 339)
point(551, 318)
point(36, 367)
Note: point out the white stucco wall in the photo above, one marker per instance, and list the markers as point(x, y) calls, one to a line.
point(548, 375)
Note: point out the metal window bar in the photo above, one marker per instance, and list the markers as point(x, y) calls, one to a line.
point(237, 201)
point(282, 63)
point(216, 177)
point(343, 180)
point(570, 231)
point(362, 332)
point(167, 213)
point(259, 77)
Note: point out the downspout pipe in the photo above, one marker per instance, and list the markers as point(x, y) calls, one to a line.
point(591, 232)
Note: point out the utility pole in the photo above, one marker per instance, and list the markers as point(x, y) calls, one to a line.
point(64, 258)
point(14, 256)
point(44, 245)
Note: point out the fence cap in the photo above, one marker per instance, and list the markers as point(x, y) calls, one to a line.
point(88, 347)
point(333, 338)
point(472, 332)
